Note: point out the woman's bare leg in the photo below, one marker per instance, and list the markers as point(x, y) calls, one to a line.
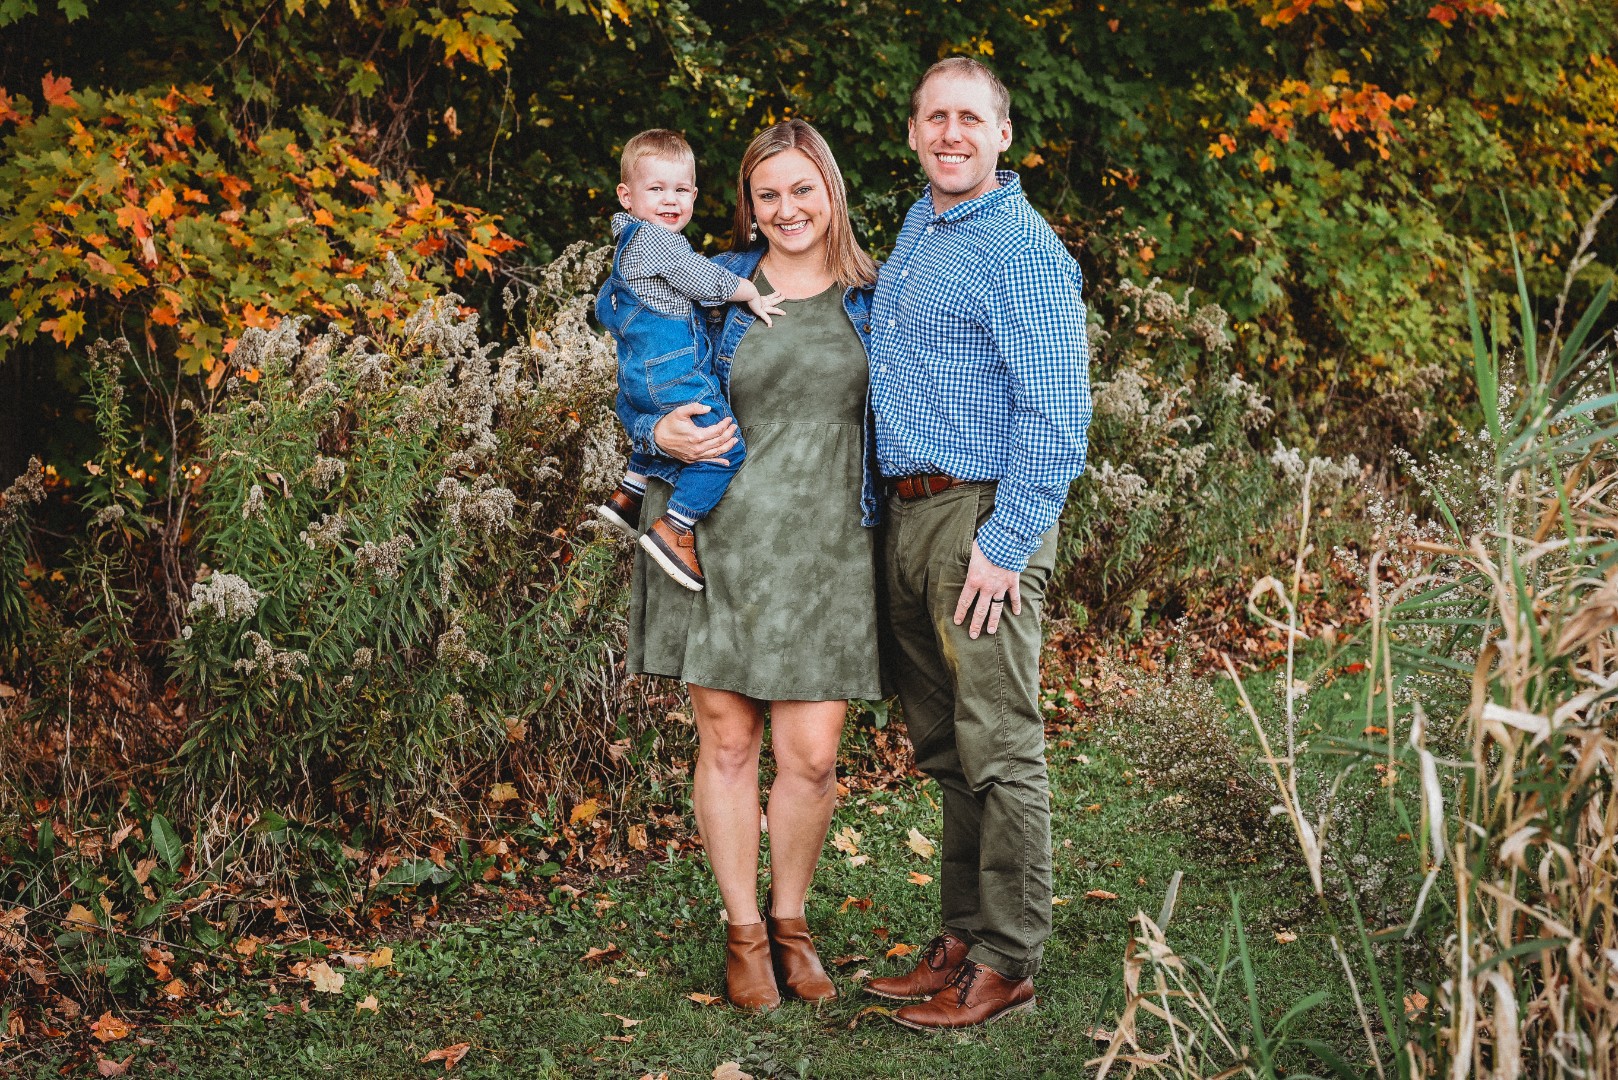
point(803, 737)
point(724, 794)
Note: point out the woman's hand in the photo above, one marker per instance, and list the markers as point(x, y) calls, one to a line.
point(679, 437)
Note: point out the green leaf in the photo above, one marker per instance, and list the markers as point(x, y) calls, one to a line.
point(166, 842)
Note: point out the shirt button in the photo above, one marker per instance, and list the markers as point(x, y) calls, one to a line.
point(905, 272)
point(892, 323)
point(929, 228)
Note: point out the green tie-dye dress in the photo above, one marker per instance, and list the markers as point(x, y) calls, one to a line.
point(789, 613)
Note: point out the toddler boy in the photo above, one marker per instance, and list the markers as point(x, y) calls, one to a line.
point(650, 306)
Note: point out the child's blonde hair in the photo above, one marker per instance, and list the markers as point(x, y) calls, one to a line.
point(658, 143)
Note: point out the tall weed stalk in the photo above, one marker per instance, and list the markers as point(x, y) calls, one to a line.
point(1492, 668)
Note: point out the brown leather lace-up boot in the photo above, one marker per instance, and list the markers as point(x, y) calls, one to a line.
point(931, 974)
point(976, 994)
point(797, 965)
point(749, 976)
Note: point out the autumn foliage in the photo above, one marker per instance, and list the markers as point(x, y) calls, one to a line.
point(145, 214)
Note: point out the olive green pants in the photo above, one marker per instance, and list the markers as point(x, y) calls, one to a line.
point(972, 711)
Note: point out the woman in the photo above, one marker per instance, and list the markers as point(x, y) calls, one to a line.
point(787, 623)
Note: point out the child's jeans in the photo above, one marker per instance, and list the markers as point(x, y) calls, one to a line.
point(663, 363)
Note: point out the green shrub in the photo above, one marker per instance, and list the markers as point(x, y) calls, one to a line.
point(394, 591)
point(1179, 486)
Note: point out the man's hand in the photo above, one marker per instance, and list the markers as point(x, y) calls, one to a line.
point(677, 436)
point(992, 588)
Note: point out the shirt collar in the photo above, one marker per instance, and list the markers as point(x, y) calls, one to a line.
point(1010, 186)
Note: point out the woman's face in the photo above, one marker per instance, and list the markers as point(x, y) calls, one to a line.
point(790, 202)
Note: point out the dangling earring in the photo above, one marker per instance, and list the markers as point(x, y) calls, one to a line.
point(752, 233)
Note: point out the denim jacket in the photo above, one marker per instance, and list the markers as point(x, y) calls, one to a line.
point(726, 326)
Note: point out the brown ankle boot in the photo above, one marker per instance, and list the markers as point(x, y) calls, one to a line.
point(797, 965)
point(931, 974)
point(749, 976)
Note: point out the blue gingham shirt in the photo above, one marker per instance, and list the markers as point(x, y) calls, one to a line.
point(980, 366)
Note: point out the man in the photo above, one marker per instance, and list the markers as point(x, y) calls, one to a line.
point(981, 399)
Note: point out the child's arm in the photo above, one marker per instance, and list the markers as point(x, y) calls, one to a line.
point(760, 305)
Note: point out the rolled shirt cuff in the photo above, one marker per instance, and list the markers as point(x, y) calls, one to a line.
point(1005, 549)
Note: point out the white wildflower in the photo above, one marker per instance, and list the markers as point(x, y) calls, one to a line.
point(254, 506)
point(326, 472)
point(229, 596)
point(386, 559)
point(325, 533)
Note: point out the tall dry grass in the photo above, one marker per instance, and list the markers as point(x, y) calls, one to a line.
point(1492, 662)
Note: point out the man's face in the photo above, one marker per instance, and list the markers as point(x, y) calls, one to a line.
point(660, 190)
point(958, 137)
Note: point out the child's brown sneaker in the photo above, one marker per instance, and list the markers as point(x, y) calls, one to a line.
point(622, 511)
point(675, 550)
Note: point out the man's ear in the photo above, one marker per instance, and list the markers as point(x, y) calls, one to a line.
point(911, 127)
point(623, 196)
point(1005, 134)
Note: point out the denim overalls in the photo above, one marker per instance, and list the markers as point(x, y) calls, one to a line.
point(665, 362)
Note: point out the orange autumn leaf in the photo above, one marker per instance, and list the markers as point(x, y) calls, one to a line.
point(918, 878)
point(450, 1055)
point(1100, 894)
point(58, 91)
point(900, 950)
point(110, 1028)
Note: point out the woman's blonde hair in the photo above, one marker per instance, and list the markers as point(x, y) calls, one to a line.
point(847, 261)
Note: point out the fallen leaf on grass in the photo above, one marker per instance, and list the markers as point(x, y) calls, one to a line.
point(869, 1010)
point(920, 844)
point(370, 1004)
point(583, 812)
point(847, 840)
point(861, 902)
point(324, 979)
point(1093, 808)
point(619, 1038)
point(851, 958)
point(175, 989)
point(1099, 1034)
point(1415, 1003)
point(450, 1055)
point(382, 958)
point(107, 1067)
point(1060, 901)
point(918, 878)
point(859, 860)
point(503, 793)
point(1285, 937)
point(1100, 894)
point(704, 999)
point(637, 838)
point(730, 1070)
point(79, 918)
point(600, 955)
point(899, 950)
point(626, 1021)
point(110, 1028)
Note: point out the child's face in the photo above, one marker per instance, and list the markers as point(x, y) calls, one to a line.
point(660, 190)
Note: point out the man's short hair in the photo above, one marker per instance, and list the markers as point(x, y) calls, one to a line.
point(964, 67)
point(658, 143)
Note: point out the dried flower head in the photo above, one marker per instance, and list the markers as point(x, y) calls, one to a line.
point(229, 597)
point(25, 491)
point(386, 559)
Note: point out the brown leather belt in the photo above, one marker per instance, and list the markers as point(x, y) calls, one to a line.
point(921, 487)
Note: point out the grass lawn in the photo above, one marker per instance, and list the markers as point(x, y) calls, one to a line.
point(516, 987)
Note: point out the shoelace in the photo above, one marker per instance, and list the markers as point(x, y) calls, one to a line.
point(935, 952)
point(966, 973)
